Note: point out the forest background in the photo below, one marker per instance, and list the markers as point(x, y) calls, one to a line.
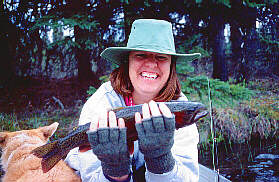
point(50, 64)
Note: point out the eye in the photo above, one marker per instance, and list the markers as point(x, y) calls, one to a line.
point(141, 56)
point(161, 58)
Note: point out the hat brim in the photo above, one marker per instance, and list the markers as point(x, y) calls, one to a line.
point(119, 55)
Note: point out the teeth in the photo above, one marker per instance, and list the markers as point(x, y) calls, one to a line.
point(149, 75)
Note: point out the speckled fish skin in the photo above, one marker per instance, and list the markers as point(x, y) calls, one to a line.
point(53, 152)
point(174, 106)
point(186, 113)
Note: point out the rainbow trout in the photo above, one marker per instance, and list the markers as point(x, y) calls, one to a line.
point(186, 113)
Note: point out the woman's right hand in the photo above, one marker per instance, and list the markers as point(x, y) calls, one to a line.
point(108, 141)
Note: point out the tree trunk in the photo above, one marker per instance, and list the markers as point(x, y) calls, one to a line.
point(218, 45)
point(82, 53)
point(7, 39)
point(85, 73)
point(6, 66)
point(236, 37)
point(128, 20)
point(246, 66)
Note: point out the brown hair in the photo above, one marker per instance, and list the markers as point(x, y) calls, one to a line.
point(121, 83)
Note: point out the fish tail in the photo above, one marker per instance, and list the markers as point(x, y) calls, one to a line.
point(50, 153)
point(50, 161)
point(45, 149)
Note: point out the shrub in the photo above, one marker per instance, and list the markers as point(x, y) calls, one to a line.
point(91, 90)
point(222, 93)
point(238, 112)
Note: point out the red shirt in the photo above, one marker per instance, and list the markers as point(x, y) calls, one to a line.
point(129, 102)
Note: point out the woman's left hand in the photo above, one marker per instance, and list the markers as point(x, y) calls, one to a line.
point(156, 136)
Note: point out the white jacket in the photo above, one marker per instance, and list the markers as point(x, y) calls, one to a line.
point(184, 149)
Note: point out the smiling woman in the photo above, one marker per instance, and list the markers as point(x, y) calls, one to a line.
point(146, 73)
point(149, 73)
point(123, 77)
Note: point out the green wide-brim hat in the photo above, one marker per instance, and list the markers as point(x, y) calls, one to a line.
point(148, 35)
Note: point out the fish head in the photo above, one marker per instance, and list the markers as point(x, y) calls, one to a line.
point(188, 117)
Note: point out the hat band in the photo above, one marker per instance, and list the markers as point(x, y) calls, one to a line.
point(153, 48)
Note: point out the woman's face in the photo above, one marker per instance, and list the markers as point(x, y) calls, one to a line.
point(148, 71)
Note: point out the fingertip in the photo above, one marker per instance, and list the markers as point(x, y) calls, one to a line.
point(145, 105)
point(154, 108)
point(93, 126)
point(111, 113)
point(165, 110)
point(145, 111)
point(121, 123)
point(112, 119)
point(137, 117)
point(103, 120)
point(152, 102)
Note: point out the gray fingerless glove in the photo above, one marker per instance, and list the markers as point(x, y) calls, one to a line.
point(156, 138)
point(110, 146)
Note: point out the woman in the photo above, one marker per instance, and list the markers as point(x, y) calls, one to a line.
point(146, 74)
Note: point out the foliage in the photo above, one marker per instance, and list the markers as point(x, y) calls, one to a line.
point(246, 2)
point(15, 122)
point(222, 93)
point(32, 22)
point(184, 68)
point(204, 53)
point(104, 78)
point(258, 116)
point(91, 90)
point(265, 86)
point(271, 45)
point(192, 45)
point(253, 4)
point(266, 106)
point(238, 112)
point(55, 22)
point(223, 2)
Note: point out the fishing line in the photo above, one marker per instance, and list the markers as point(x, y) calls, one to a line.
point(213, 134)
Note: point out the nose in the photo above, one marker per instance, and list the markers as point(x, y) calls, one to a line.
point(151, 62)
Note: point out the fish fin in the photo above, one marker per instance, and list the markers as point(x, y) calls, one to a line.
point(45, 149)
point(50, 161)
point(50, 153)
point(199, 115)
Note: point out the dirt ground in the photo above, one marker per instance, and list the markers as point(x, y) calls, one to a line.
point(27, 95)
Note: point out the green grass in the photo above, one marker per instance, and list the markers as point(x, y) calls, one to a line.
point(239, 110)
point(15, 122)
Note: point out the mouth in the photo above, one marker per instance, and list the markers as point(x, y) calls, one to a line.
point(149, 75)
